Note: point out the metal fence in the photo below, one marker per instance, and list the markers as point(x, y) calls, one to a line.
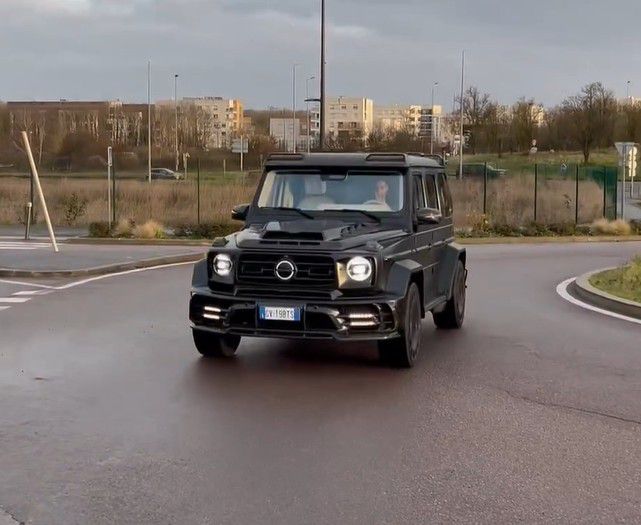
point(540, 193)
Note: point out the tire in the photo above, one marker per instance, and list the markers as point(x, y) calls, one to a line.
point(402, 352)
point(214, 345)
point(452, 316)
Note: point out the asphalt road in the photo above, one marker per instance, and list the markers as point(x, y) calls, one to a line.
point(531, 413)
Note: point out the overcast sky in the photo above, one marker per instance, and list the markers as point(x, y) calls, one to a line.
point(389, 50)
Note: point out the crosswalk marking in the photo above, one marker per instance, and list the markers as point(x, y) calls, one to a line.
point(4, 308)
point(23, 245)
point(32, 292)
point(14, 300)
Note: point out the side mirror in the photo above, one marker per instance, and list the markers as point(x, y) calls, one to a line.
point(428, 216)
point(239, 213)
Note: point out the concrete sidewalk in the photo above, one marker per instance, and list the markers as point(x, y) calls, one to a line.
point(37, 258)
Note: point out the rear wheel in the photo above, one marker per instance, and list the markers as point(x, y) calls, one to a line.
point(402, 352)
point(454, 313)
point(214, 345)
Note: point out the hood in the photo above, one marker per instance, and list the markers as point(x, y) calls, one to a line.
point(324, 234)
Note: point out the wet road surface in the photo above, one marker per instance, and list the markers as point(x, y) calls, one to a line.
point(531, 413)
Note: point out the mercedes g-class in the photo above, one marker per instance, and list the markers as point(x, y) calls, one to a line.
point(345, 246)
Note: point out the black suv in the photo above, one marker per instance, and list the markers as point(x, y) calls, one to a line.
point(349, 246)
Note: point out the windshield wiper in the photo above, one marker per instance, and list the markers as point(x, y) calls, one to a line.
point(363, 212)
point(287, 208)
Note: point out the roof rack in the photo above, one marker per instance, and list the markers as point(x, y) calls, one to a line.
point(386, 157)
point(285, 156)
point(437, 158)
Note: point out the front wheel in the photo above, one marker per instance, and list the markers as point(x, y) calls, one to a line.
point(403, 351)
point(214, 345)
point(454, 313)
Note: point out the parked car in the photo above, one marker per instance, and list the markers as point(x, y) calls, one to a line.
point(345, 246)
point(477, 170)
point(164, 174)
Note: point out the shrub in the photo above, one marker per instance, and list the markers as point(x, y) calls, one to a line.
point(74, 207)
point(605, 227)
point(124, 228)
point(205, 230)
point(149, 230)
point(99, 229)
point(631, 276)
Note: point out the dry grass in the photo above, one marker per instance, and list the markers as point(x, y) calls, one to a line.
point(149, 230)
point(623, 282)
point(510, 201)
point(606, 227)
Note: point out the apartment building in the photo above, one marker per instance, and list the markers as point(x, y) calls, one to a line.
point(207, 122)
point(283, 130)
point(398, 118)
point(112, 121)
point(349, 118)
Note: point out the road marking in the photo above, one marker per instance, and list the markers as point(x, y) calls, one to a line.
point(32, 292)
point(14, 300)
point(118, 274)
point(20, 283)
point(24, 245)
point(4, 308)
point(562, 290)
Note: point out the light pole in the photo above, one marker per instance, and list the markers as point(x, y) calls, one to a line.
point(322, 80)
point(627, 91)
point(176, 115)
point(432, 126)
point(461, 141)
point(309, 124)
point(294, 107)
point(149, 121)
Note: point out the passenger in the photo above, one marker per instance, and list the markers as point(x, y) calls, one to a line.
point(382, 189)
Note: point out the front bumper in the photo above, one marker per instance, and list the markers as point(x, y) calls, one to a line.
point(371, 318)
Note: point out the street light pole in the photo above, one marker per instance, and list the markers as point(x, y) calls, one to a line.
point(322, 79)
point(149, 121)
point(461, 140)
point(294, 107)
point(309, 124)
point(432, 126)
point(176, 115)
point(627, 91)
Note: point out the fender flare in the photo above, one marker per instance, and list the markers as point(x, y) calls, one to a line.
point(452, 253)
point(400, 275)
point(200, 277)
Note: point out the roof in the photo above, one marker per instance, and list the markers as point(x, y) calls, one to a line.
point(374, 160)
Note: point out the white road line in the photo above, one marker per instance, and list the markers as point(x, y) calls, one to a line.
point(4, 308)
point(14, 300)
point(33, 292)
point(20, 283)
point(562, 290)
point(138, 270)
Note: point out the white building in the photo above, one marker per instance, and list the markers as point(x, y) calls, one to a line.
point(349, 118)
point(283, 130)
point(398, 118)
point(219, 120)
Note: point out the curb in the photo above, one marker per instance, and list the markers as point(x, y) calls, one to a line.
point(547, 240)
point(137, 242)
point(583, 290)
point(103, 270)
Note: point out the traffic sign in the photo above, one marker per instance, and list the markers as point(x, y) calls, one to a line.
point(240, 145)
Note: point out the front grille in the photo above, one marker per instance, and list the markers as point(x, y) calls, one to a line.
point(316, 271)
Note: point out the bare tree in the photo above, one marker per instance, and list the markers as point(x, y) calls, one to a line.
point(477, 110)
point(526, 115)
point(592, 114)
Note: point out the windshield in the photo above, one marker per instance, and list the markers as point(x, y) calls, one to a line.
point(372, 192)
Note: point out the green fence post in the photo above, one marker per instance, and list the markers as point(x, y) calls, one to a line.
point(536, 189)
point(605, 191)
point(485, 189)
point(113, 190)
point(198, 192)
point(576, 197)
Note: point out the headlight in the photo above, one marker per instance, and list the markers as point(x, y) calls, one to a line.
point(222, 265)
point(359, 269)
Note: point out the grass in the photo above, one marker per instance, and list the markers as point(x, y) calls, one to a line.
point(510, 200)
point(623, 282)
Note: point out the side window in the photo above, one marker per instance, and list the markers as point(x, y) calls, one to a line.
point(419, 194)
point(444, 195)
point(430, 192)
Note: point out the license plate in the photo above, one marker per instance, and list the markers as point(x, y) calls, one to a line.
point(279, 313)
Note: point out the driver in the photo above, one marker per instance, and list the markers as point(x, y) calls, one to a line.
point(382, 189)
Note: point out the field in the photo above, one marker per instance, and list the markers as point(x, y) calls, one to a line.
point(510, 200)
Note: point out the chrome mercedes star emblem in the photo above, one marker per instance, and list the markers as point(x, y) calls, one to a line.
point(285, 270)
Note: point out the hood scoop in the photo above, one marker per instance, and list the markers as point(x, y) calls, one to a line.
point(306, 232)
